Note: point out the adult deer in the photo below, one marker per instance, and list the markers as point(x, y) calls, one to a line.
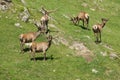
point(97, 28)
point(82, 16)
point(40, 47)
point(27, 38)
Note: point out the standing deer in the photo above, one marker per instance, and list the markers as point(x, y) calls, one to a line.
point(97, 29)
point(45, 18)
point(83, 16)
point(40, 47)
point(28, 37)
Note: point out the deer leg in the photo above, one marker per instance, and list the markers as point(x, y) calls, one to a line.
point(30, 55)
point(44, 55)
point(21, 46)
point(100, 36)
point(97, 37)
point(78, 22)
point(47, 24)
point(33, 55)
point(87, 23)
point(83, 23)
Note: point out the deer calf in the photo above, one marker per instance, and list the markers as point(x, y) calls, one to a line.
point(28, 37)
point(83, 16)
point(40, 47)
point(97, 29)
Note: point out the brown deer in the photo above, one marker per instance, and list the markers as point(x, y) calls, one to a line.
point(45, 18)
point(83, 16)
point(27, 38)
point(97, 29)
point(40, 47)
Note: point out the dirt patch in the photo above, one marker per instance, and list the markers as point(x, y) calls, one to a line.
point(82, 50)
point(61, 40)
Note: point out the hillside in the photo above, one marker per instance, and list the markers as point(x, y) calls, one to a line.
point(73, 55)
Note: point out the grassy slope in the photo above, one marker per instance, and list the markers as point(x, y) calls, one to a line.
point(61, 63)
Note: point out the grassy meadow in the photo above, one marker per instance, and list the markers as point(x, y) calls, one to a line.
point(62, 62)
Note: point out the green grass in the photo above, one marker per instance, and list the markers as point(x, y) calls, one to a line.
point(62, 64)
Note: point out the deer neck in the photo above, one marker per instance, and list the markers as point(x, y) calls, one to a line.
point(49, 43)
point(102, 25)
point(37, 34)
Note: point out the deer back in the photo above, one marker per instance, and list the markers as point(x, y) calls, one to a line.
point(83, 15)
point(41, 46)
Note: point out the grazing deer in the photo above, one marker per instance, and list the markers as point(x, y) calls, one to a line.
point(97, 29)
point(40, 47)
point(28, 37)
point(83, 16)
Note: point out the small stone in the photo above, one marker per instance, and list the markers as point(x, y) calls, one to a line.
point(18, 25)
point(113, 55)
point(54, 70)
point(94, 71)
point(92, 9)
point(103, 53)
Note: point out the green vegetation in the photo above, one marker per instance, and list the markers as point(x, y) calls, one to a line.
point(62, 62)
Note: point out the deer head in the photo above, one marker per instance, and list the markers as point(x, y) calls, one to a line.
point(74, 20)
point(104, 20)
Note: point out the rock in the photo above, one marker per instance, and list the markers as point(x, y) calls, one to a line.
point(77, 46)
point(92, 9)
point(84, 4)
point(25, 15)
point(3, 6)
point(82, 50)
point(108, 47)
point(94, 71)
point(103, 53)
point(18, 25)
point(113, 56)
point(63, 41)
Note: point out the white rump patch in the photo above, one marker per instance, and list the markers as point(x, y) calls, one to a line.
point(28, 44)
point(86, 15)
point(95, 27)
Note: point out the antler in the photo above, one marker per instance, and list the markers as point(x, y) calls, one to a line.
point(43, 10)
point(52, 10)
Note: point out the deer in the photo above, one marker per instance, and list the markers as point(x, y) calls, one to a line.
point(82, 16)
point(45, 18)
point(97, 28)
point(40, 47)
point(27, 38)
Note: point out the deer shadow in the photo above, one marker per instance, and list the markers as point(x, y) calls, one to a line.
point(42, 58)
point(98, 42)
point(83, 27)
point(26, 50)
